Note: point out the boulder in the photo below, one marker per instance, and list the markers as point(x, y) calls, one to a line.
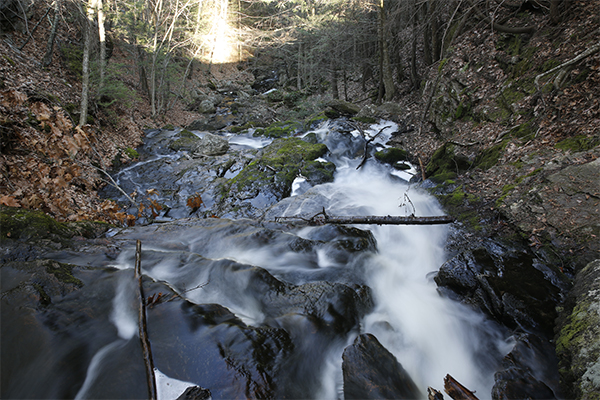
point(211, 145)
point(509, 285)
point(340, 107)
point(371, 372)
point(578, 338)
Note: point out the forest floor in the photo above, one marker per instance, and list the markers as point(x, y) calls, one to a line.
point(48, 164)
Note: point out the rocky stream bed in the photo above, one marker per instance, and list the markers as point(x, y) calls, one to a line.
point(243, 304)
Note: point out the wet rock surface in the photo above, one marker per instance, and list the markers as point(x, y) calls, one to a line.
point(372, 372)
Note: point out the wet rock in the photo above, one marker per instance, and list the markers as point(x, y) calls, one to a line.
point(339, 108)
point(195, 393)
point(578, 336)
point(269, 178)
point(509, 285)
point(184, 140)
point(529, 371)
point(210, 145)
point(213, 123)
point(372, 372)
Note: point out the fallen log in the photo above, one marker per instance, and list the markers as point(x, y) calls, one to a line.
point(457, 391)
point(143, 327)
point(322, 218)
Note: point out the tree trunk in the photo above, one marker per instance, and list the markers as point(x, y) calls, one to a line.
point(51, 39)
point(427, 52)
point(555, 11)
point(334, 77)
point(414, 74)
point(386, 67)
point(102, 36)
point(85, 86)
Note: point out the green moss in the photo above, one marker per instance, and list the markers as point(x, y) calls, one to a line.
point(18, 223)
point(506, 189)
point(10, 60)
point(281, 129)
point(63, 272)
point(489, 157)
point(524, 132)
point(131, 153)
point(246, 126)
point(45, 300)
point(391, 155)
point(578, 143)
point(279, 165)
point(366, 120)
point(442, 64)
point(445, 164)
point(168, 127)
point(548, 65)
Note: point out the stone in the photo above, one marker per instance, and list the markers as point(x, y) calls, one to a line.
point(343, 107)
point(211, 145)
point(371, 372)
point(578, 339)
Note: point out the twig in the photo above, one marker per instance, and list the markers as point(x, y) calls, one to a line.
point(34, 28)
point(115, 185)
point(143, 327)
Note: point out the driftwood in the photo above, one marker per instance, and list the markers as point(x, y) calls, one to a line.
point(143, 327)
point(433, 394)
point(457, 391)
point(322, 218)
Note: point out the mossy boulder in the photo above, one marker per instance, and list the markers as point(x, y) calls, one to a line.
point(446, 163)
point(337, 108)
point(32, 226)
point(392, 155)
point(279, 165)
point(578, 338)
point(184, 140)
point(22, 224)
point(279, 129)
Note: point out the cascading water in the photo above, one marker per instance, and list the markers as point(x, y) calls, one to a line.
point(274, 305)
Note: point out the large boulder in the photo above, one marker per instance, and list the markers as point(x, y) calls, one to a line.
point(372, 372)
point(578, 338)
point(211, 145)
point(510, 285)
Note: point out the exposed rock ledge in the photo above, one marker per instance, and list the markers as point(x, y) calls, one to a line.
point(578, 338)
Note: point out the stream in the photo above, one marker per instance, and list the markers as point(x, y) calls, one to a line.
point(262, 308)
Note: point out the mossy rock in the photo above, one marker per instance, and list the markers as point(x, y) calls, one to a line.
point(489, 157)
point(279, 165)
point(338, 108)
point(392, 155)
point(578, 341)
point(185, 140)
point(279, 129)
point(315, 120)
point(578, 143)
point(524, 132)
point(445, 164)
point(22, 224)
point(28, 225)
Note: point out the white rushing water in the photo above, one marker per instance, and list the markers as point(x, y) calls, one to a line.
point(431, 336)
